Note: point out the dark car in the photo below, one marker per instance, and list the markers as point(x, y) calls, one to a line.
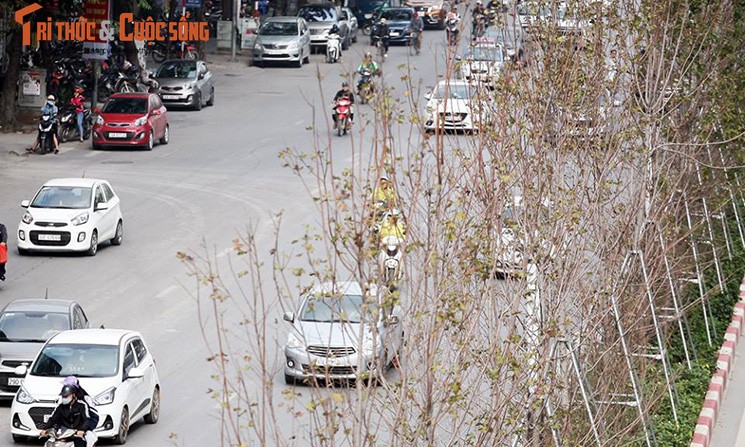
point(186, 83)
point(131, 119)
point(399, 24)
point(25, 325)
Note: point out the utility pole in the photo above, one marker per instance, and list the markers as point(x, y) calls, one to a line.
point(234, 28)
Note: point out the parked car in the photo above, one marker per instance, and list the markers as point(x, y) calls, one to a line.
point(433, 12)
point(282, 39)
point(131, 119)
point(321, 17)
point(482, 64)
point(115, 366)
point(24, 327)
point(71, 214)
point(342, 331)
point(185, 83)
point(352, 23)
point(512, 39)
point(456, 105)
point(399, 24)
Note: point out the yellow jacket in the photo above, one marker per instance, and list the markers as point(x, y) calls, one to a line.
point(388, 228)
point(387, 195)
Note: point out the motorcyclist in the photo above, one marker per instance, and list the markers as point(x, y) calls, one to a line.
point(90, 436)
point(70, 413)
point(477, 16)
point(49, 108)
point(452, 19)
point(382, 33)
point(345, 92)
point(392, 225)
point(334, 34)
point(384, 197)
point(417, 26)
point(368, 64)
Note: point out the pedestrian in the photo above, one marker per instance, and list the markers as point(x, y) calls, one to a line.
point(78, 101)
point(3, 250)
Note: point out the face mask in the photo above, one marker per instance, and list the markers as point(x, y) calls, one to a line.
point(66, 400)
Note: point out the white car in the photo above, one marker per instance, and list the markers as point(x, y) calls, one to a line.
point(482, 64)
point(113, 365)
point(71, 214)
point(456, 105)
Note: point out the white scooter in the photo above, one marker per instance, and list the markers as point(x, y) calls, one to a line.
point(389, 259)
point(333, 48)
point(60, 437)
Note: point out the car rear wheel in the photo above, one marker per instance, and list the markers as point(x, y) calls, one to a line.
point(152, 417)
point(119, 235)
point(166, 135)
point(121, 436)
point(93, 249)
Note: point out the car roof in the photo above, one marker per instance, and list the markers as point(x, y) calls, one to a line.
point(39, 305)
point(453, 82)
point(290, 19)
point(74, 181)
point(131, 95)
point(343, 287)
point(92, 336)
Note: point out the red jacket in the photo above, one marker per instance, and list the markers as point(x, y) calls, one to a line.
point(79, 103)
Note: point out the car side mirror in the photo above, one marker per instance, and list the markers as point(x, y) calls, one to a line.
point(135, 373)
point(289, 316)
point(21, 370)
point(200, 76)
point(101, 207)
point(25, 203)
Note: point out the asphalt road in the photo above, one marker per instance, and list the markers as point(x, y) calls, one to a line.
point(219, 175)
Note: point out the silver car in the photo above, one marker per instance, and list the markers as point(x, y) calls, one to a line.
point(321, 17)
point(282, 39)
point(342, 331)
point(185, 83)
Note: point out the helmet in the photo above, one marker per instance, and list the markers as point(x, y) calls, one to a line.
point(334, 29)
point(67, 390)
point(79, 90)
point(345, 84)
point(384, 177)
point(478, 2)
point(383, 20)
point(50, 98)
point(71, 381)
point(368, 54)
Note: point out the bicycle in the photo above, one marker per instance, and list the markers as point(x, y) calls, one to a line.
point(415, 44)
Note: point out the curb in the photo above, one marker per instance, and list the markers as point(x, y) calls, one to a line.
point(707, 418)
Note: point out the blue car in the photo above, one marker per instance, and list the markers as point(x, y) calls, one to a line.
point(399, 24)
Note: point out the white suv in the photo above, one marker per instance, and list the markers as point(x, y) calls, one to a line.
point(113, 365)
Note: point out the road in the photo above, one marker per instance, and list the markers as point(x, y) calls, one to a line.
point(219, 175)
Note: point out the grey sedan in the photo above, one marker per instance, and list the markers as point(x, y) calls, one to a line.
point(186, 83)
point(342, 331)
point(282, 39)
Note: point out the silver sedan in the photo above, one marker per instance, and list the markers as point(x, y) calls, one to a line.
point(282, 39)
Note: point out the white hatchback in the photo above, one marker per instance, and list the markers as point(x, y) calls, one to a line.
point(457, 105)
point(71, 214)
point(113, 365)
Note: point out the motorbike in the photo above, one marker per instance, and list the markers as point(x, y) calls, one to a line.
point(389, 259)
point(160, 50)
point(333, 48)
point(343, 110)
point(60, 437)
point(69, 124)
point(46, 133)
point(365, 87)
point(451, 28)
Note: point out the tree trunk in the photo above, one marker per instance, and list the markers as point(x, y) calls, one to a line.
point(10, 84)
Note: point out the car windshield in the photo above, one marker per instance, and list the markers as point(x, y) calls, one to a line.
point(329, 309)
point(278, 29)
point(179, 70)
point(318, 13)
point(34, 327)
point(137, 106)
point(489, 54)
point(505, 36)
point(64, 197)
point(454, 91)
point(396, 15)
point(82, 360)
point(533, 9)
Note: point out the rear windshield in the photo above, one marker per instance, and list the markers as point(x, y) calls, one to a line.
point(126, 105)
point(396, 15)
point(318, 13)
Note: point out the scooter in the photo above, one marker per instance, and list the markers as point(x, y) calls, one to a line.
point(451, 28)
point(60, 437)
point(333, 48)
point(389, 259)
point(343, 110)
point(365, 87)
point(46, 135)
point(69, 124)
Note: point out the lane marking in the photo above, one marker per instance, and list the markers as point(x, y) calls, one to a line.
point(166, 291)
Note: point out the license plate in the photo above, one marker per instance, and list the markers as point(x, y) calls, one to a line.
point(395, 33)
point(170, 96)
point(15, 381)
point(50, 237)
point(333, 362)
point(117, 135)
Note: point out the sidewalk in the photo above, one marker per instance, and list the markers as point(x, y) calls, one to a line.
point(729, 430)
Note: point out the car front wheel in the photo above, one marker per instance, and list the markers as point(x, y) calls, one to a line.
point(93, 249)
point(121, 436)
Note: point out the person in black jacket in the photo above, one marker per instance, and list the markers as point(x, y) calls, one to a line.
point(71, 413)
point(382, 33)
point(345, 92)
point(4, 243)
point(90, 436)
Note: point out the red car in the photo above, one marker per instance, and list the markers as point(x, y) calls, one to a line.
point(131, 119)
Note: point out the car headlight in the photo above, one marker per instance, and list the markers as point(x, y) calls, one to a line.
point(24, 397)
point(294, 341)
point(106, 397)
point(100, 121)
point(80, 219)
point(27, 218)
point(191, 86)
point(141, 121)
point(293, 45)
point(258, 46)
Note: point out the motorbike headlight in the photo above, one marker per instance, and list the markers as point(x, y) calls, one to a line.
point(100, 121)
point(294, 341)
point(80, 219)
point(27, 218)
point(24, 397)
point(141, 121)
point(105, 398)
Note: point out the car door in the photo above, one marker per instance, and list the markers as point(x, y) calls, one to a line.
point(146, 363)
point(132, 389)
point(79, 320)
point(159, 117)
point(103, 221)
point(207, 81)
point(304, 37)
point(113, 201)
